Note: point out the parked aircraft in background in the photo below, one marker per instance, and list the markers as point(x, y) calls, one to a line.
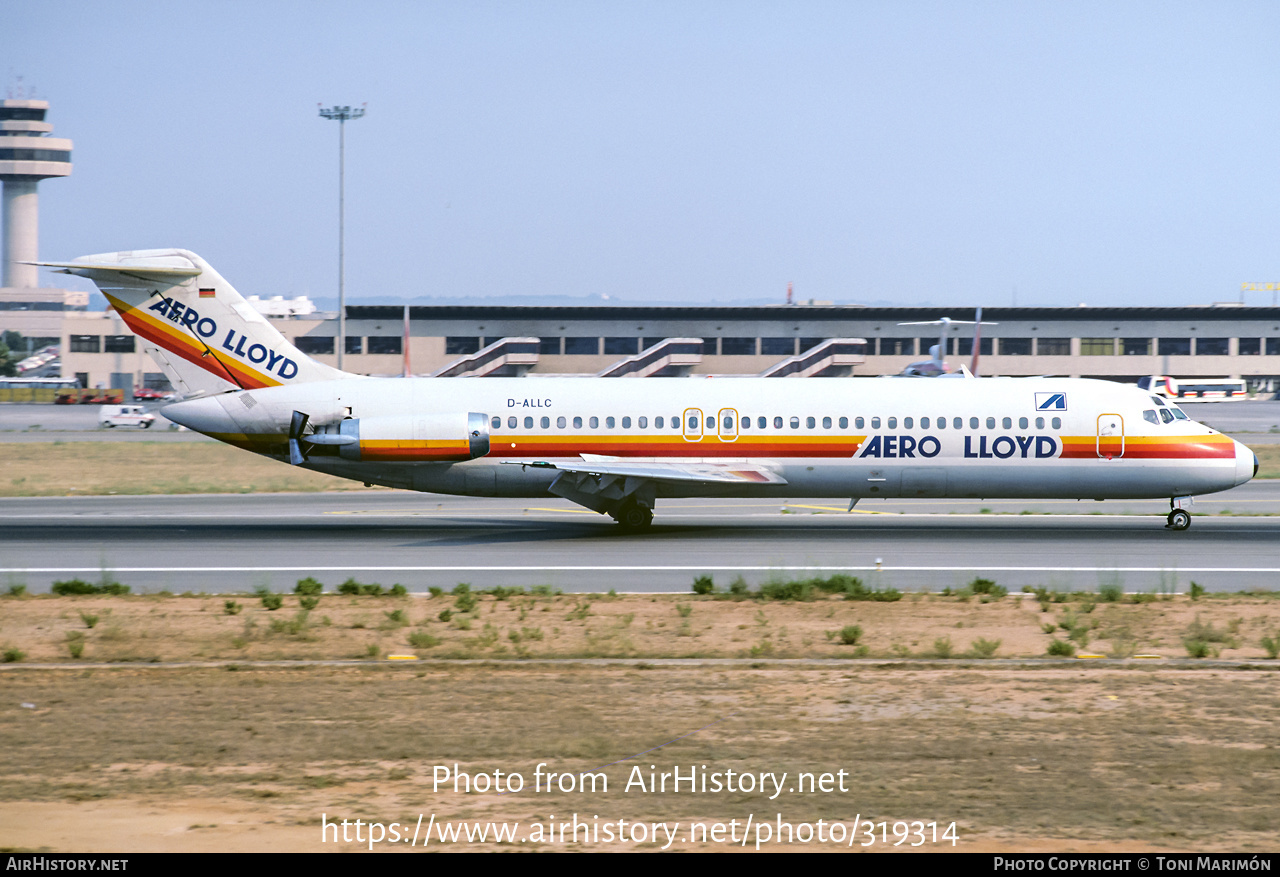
point(617, 446)
point(936, 365)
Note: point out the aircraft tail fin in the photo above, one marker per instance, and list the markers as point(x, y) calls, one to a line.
point(201, 332)
point(977, 341)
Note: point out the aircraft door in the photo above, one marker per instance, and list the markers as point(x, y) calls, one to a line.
point(692, 424)
point(1110, 441)
point(727, 424)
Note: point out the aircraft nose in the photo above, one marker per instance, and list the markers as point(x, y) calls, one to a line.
point(202, 415)
point(1246, 463)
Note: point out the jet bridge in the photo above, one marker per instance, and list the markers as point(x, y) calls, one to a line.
point(671, 357)
point(835, 357)
point(504, 358)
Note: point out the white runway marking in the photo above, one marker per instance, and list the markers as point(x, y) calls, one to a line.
point(680, 568)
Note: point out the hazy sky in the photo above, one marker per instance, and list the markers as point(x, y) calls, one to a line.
point(1100, 152)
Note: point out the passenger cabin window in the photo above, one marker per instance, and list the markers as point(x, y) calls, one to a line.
point(546, 423)
point(1056, 423)
point(608, 423)
point(991, 423)
point(1022, 423)
point(626, 423)
point(511, 423)
point(942, 423)
point(908, 422)
point(496, 423)
point(594, 423)
point(693, 424)
point(858, 423)
point(875, 423)
point(826, 423)
point(762, 422)
point(643, 422)
point(795, 423)
point(958, 423)
point(1007, 423)
point(973, 423)
point(577, 423)
point(810, 423)
point(777, 423)
point(924, 423)
point(844, 423)
point(528, 423)
point(1039, 423)
point(560, 423)
point(893, 423)
point(657, 423)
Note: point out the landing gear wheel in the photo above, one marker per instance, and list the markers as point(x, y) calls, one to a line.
point(633, 516)
point(1178, 520)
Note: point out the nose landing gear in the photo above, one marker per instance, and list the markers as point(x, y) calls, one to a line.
point(1179, 518)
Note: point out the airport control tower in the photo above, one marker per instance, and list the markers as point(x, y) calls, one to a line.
point(27, 156)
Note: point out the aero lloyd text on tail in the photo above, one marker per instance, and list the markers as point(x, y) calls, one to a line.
point(173, 300)
point(616, 446)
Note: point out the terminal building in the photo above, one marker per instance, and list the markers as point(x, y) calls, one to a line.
point(1121, 344)
point(793, 340)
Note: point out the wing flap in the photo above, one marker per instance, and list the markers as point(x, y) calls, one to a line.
point(661, 470)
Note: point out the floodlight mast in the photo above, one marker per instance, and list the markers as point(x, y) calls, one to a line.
point(342, 114)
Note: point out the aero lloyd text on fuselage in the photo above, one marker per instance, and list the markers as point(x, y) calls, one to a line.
point(1001, 447)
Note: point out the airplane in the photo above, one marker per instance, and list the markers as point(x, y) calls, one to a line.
point(936, 365)
point(617, 447)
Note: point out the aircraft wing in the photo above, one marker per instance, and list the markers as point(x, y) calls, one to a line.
point(659, 470)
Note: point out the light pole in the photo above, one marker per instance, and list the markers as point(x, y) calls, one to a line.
point(342, 114)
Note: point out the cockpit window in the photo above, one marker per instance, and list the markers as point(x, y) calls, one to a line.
point(1166, 415)
point(1178, 413)
point(1150, 416)
point(1158, 401)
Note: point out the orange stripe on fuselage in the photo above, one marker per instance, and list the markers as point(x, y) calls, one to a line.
point(1188, 447)
point(842, 447)
point(407, 451)
point(165, 335)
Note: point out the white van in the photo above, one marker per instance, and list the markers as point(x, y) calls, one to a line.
point(125, 415)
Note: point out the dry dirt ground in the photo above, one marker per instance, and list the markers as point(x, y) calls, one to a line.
point(108, 754)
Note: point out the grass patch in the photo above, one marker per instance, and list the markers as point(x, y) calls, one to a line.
point(423, 640)
point(850, 634)
point(984, 648)
point(77, 587)
point(137, 468)
point(1060, 649)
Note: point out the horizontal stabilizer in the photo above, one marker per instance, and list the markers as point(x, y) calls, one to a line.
point(87, 269)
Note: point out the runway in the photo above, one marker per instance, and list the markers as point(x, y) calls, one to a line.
point(237, 543)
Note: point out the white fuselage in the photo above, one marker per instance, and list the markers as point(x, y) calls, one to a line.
point(857, 438)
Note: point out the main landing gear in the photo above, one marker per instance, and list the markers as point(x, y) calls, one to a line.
point(1179, 518)
point(631, 515)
